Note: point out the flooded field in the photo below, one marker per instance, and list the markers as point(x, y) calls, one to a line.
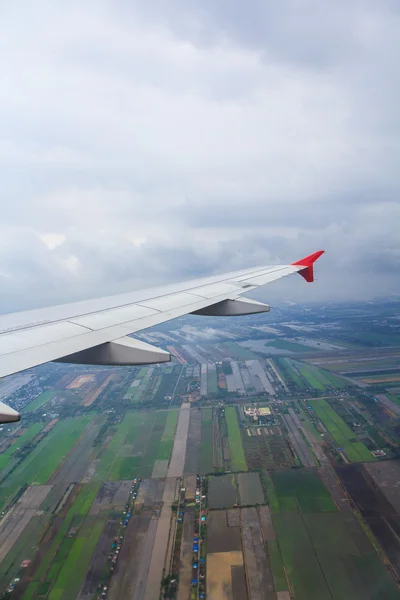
point(223, 533)
point(222, 491)
point(192, 461)
point(378, 512)
point(250, 489)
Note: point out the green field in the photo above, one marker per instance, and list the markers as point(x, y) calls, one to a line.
point(153, 443)
point(22, 441)
point(306, 422)
point(334, 380)
point(66, 560)
point(319, 379)
point(351, 566)
point(328, 555)
point(77, 561)
point(288, 374)
point(40, 464)
point(212, 381)
point(39, 401)
point(278, 570)
point(313, 376)
point(341, 433)
point(288, 345)
point(135, 445)
point(167, 439)
point(206, 447)
point(270, 493)
point(301, 563)
point(301, 489)
point(235, 440)
point(395, 398)
point(126, 452)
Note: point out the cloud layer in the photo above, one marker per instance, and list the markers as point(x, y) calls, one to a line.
point(146, 142)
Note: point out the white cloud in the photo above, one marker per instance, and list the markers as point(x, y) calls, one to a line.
point(52, 240)
point(147, 142)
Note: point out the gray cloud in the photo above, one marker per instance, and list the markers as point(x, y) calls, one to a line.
point(146, 142)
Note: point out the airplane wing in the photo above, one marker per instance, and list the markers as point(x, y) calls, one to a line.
point(95, 331)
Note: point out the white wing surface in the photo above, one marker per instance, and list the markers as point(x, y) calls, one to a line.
point(95, 331)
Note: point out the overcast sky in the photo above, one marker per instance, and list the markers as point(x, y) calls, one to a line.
point(144, 142)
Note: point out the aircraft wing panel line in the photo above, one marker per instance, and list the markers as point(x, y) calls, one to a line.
point(33, 318)
point(41, 353)
point(35, 337)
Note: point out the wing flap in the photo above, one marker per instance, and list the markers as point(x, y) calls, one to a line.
point(39, 336)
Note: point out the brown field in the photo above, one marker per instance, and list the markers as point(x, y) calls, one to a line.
point(267, 527)
point(335, 489)
point(80, 381)
point(190, 485)
point(376, 506)
point(192, 459)
point(150, 493)
point(18, 518)
point(50, 426)
point(130, 575)
point(92, 396)
point(177, 462)
point(160, 546)
point(132, 569)
point(222, 381)
point(259, 576)
point(269, 450)
point(185, 571)
point(381, 379)
point(239, 583)
point(219, 574)
point(98, 563)
point(221, 536)
point(112, 495)
point(386, 475)
point(160, 469)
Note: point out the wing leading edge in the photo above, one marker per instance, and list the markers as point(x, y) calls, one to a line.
point(96, 332)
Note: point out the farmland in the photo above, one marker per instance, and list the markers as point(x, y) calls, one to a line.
point(235, 441)
point(40, 401)
point(20, 444)
point(310, 532)
point(313, 376)
point(340, 432)
point(301, 490)
point(206, 446)
point(222, 491)
point(39, 466)
point(287, 345)
point(167, 438)
point(267, 450)
point(309, 545)
point(300, 500)
point(250, 489)
point(290, 375)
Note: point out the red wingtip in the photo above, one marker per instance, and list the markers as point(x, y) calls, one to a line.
point(308, 263)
